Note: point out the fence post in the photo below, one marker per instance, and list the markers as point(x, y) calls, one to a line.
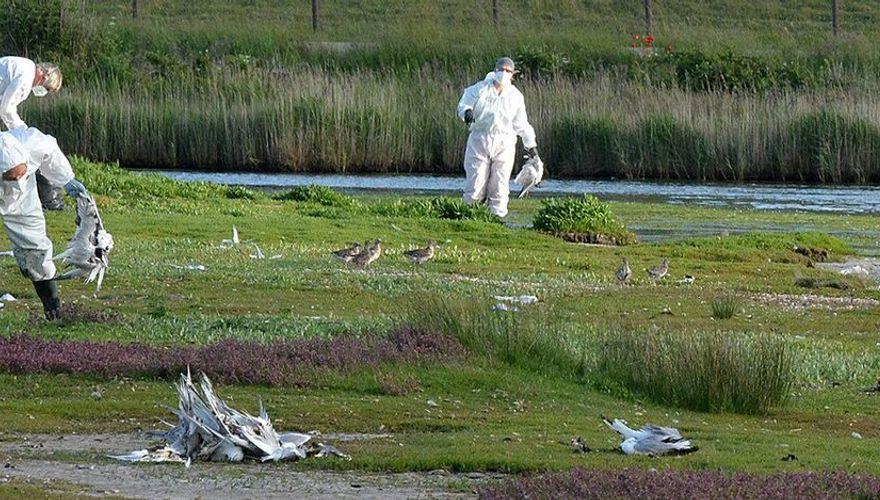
point(835, 17)
point(314, 15)
point(134, 9)
point(496, 13)
point(649, 16)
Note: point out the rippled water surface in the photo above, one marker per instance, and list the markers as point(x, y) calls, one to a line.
point(846, 199)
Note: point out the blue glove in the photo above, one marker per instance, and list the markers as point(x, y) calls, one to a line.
point(75, 189)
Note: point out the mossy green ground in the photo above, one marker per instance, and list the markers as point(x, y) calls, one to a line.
point(489, 416)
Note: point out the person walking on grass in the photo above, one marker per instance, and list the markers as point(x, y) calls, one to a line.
point(22, 152)
point(495, 113)
point(20, 77)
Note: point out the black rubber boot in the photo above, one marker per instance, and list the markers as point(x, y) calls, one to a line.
point(50, 196)
point(48, 293)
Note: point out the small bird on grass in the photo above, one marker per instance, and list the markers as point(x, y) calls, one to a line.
point(422, 255)
point(371, 252)
point(348, 253)
point(624, 272)
point(652, 440)
point(579, 446)
point(656, 273)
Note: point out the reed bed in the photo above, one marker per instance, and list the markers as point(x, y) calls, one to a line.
point(314, 120)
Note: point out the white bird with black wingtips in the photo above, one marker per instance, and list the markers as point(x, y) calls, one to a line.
point(530, 175)
point(88, 250)
point(650, 439)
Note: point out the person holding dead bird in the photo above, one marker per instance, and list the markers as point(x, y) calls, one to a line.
point(495, 113)
point(23, 151)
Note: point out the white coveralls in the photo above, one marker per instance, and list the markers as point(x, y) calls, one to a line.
point(16, 81)
point(19, 203)
point(491, 147)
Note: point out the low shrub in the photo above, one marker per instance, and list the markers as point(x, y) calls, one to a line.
point(436, 208)
point(285, 363)
point(713, 372)
point(585, 215)
point(683, 485)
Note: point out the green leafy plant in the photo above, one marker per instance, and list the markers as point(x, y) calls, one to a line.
point(321, 195)
point(587, 215)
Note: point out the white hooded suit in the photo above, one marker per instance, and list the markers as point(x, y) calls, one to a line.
point(491, 149)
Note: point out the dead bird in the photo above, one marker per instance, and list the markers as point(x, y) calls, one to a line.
point(650, 439)
point(530, 175)
point(624, 271)
point(422, 255)
point(88, 251)
point(348, 253)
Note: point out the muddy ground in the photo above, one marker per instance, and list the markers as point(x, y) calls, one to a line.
point(78, 460)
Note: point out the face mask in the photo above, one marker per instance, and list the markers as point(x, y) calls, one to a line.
point(503, 77)
point(39, 91)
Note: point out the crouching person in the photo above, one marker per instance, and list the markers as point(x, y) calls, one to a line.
point(22, 152)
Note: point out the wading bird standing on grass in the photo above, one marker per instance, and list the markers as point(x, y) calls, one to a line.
point(656, 273)
point(624, 272)
point(371, 252)
point(422, 255)
point(650, 439)
point(87, 252)
point(348, 253)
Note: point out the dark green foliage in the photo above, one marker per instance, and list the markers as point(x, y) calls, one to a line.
point(714, 372)
point(321, 195)
point(582, 146)
point(585, 215)
point(436, 208)
point(664, 148)
point(829, 146)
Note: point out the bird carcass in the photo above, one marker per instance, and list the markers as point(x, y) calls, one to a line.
point(650, 439)
point(87, 252)
point(208, 429)
point(530, 175)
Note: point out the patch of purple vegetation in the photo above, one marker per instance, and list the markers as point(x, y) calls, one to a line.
point(685, 485)
point(285, 363)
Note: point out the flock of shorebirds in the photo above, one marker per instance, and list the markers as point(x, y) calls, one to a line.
point(364, 255)
point(655, 274)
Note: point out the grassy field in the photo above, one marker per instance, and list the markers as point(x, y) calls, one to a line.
point(496, 409)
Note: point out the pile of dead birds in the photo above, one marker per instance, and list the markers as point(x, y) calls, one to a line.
point(208, 429)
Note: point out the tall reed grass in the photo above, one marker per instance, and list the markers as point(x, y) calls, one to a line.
point(714, 372)
point(314, 120)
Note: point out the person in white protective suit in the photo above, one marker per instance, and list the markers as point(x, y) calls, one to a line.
point(495, 111)
point(22, 152)
point(20, 77)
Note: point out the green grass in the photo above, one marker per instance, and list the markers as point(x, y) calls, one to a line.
point(725, 307)
point(518, 394)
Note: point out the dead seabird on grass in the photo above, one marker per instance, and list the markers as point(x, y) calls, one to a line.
point(209, 429)
point(88, 250)
point(650, 439)
point(231, 242)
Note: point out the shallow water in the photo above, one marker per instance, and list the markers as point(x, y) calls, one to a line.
point(843, 199)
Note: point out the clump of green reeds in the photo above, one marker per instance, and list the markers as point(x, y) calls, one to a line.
point(725, 306)
point(531, 337)
point(436, 208)
point(713, 372)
